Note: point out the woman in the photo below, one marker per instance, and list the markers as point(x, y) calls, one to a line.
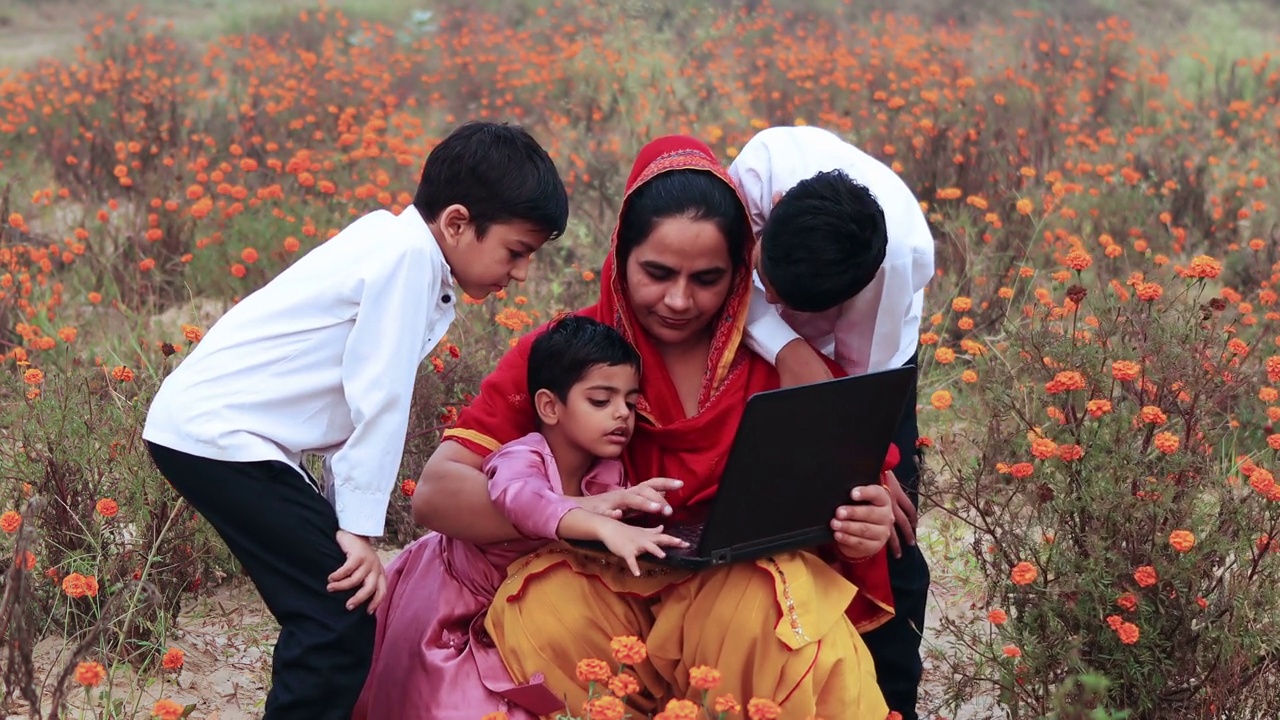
point(676, 283)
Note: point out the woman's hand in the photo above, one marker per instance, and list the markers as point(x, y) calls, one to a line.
point(647, 497)
point(862, 530)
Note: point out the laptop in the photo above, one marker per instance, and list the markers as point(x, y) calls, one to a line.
point(797, 455)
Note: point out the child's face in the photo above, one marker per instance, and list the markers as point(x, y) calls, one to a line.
point(484, 265)
point(599, 414)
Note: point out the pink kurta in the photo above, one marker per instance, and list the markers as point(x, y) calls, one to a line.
point(432, 658)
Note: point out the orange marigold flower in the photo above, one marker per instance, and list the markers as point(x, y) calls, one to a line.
point(1024, 573)
point(998, 617)
point(1149, 291)
point(762, 709)
point(1202, 267)
point(624, 685)
point(94, 298)
point(606, 707)
point(944, 355)
point(628, 650)
point(1070, 453)
point(940, 399)
point(1145, 576)
point(90, 673)
point(192, 333)
point(704, 677)
point(10, 521)
point(969, 377)
point(249, 255)
point(678, 709)
point(33, 376)
point(1078, 260)
point(1166, 442)
point(1025, 206)
point(1182, 540)
point(173, 659)
point(961, 304)
point(727, 704)
point(76, 585)
point(499, 715)
point(1125, 370)
point(122, 373)
point(1262, 481)
point(1128, 633)
point(68, 334)
point(1022, 470)
point(1012, 651)
point(1043, 448)
point(408, 487)
point(1273, 368)
point(1152, 415)
point(1065, 381)
point(594, 670)
point(167, 710)
point(1097, 408)
point(1128, 601)
point(1273, 441)
point(106, 507)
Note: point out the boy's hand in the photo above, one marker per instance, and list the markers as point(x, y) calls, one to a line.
point(627, 542)
point(363, 569)
point(861, 530)
point(799, 364)
point(647, 497)
point(904, 516)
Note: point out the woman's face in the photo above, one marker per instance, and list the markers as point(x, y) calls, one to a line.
point(678, 279)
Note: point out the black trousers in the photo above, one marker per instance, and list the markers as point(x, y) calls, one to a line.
point(895, 646)
point(284, 534)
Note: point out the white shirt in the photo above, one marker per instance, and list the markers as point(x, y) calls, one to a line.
point(321, 360)
point(877, 329)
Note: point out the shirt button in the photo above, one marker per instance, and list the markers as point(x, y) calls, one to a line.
point(446, 299)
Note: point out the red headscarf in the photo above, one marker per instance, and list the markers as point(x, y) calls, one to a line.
point(666, 443)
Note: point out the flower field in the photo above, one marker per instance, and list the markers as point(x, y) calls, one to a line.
point(1100, 355)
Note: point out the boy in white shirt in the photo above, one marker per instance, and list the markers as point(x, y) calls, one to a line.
point(844, 255)
point(323, 360)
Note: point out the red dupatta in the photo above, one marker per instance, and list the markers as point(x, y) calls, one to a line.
point(665, 442)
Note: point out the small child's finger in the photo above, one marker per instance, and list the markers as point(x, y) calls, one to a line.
point(367, 589)
point(670, 541)
point(655, 550)
point(351, 581)
point(379, 595)
point(631, 563)
point(347, 568)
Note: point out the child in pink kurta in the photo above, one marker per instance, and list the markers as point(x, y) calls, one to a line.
point(433, 659)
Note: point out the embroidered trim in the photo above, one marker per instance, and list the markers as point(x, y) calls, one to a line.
point(792, 616)
point(478, 438)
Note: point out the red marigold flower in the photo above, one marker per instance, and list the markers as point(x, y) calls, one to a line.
point(173, 659)
point(107, 508)
point(1145, 576)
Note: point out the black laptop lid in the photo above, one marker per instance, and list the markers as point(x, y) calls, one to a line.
point(799, 452)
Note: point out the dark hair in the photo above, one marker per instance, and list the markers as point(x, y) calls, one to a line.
point(499, 173)
point(823, 243)
point(574, 344)
point(692, 194)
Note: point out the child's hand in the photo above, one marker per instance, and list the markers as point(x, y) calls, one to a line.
point(363, 569)
point(627, 542)
point(647, 497)
point(799, 364)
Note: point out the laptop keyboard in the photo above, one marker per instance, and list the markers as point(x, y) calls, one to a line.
point(691, 534)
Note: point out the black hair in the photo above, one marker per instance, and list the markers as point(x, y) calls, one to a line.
point(692, 194)
point(499, 173)
point(572, 345)
point(823, 243)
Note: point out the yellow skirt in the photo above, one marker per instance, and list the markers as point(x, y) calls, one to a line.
point(775, 629)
